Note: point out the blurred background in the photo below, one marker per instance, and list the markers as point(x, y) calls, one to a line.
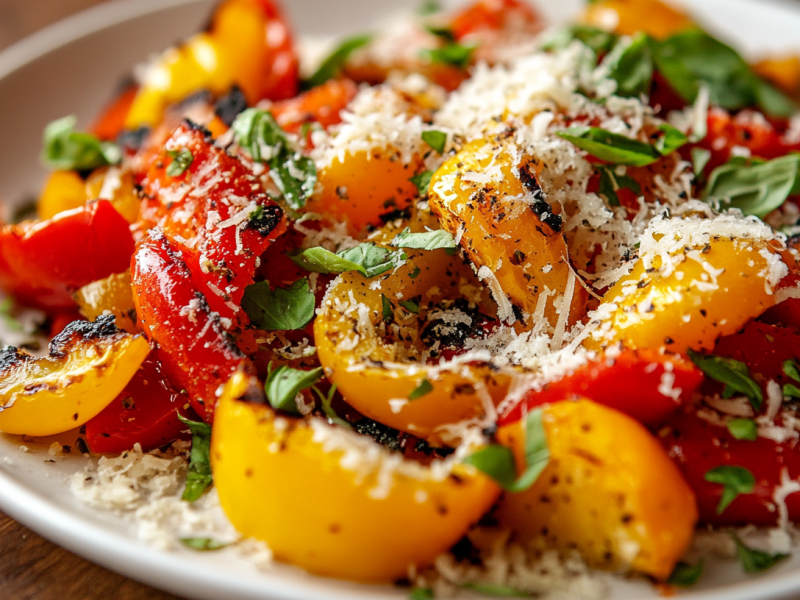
point(19, 18)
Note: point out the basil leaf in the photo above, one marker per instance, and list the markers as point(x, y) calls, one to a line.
point(69, 150)
point(755, 189)
point(198, 476)
point(415, 272)
point(700, 158)
point(611, 147)
point(282, 309)
point(454, 54)
point(772, 101)
point(791, 369)
point(672, 140)
point(427, 240)
point(498, 461)
point(496, 590)
point(181, 160)
point(743, 429)
point(410, 306)
point(598, 40)
point(423, 389)
point(686, 575)
point(368, 259)
point(203, 544)
point(284, 383)
point(422, 181)
point(257, 132)
point(631, 66)
point(429, 7)
point(435, 139)
point(733, 373)
point(328, 409)
point(611, 183)
point(791, 391)
point(445, 33)
point(735, 481)
point(332, 66)
point(421, 594)
point(387, 307)
point(755, 561)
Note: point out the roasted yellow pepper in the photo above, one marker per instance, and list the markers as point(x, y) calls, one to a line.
point(331, 501)
point(63, 190)
point(609, 491)
point(88, 366)
point(492, 201)
point(628, 17)
point(113, 294)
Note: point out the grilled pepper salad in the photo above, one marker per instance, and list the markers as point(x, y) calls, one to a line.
point(471, 283)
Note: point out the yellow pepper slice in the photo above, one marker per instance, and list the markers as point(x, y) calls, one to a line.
point(113, 294)
point(88, 366)
point(331, 501)
point(63, 190)
point(628, 17)
point(609, 491)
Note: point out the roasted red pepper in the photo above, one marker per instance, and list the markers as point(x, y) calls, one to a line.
point(322, 105)
point(194, 348)
point(145, 413)
point(42, 263)
point(281, 78)
point(495, 16)
point(644, 385)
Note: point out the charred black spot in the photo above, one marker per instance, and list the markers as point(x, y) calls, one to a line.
point(133, 139)
point(267, 220)
point(386, 436)
point(540, 206)
point(465, 551)
point(197, 127)
point(394, 215)
point(228, 107)
point(101, 328)
point(11, 358)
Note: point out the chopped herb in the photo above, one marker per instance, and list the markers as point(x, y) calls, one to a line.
point(368, 259)
point(332, 66)
point(791, 369)
point(611, 147)
point(421, 594)
point(791, 391)
point(611, 183)
point(415, 272)
point(733, 373)
point(631, 66)
point(735, 481)
point(497, 590)
point(410, 306)
point(452, 53)
point(755, 561)
point(69, 150)
point(388, 308)
point(498, 461)
point(445, 33)
point(181, 160)
point(198, 476)
point(686, 575)
point(423, 389)
point(757, 188)
point(700, 158)
point(435, 139)
point(256, 213)
point(672, 140)
point(282, 309)
point(772, 101)
point(203, 544)
point(743, 429)
point(284, 383)
point(422, 182)
point(328, 409)
point(257, 132)
point(598, 40)
point(426, 240)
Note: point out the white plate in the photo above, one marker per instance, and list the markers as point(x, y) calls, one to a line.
point(72, 68)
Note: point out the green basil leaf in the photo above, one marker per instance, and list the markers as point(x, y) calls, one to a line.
point(435, 139)
point(743, 429)
point(446, 33)
point(686, 575)
point(421, 594)
point(496, 590)
point(327, 407)
point(498, 461)
point(611, 147)
point(791, 391)
point(791, 369)
point(426, 240)
point(672, 140)
point(755, 189)
point(700, 158)
point(611, 183)
point(198, 476)
point(415, 272)
point(755, 561)
point(69, 150)
point(735, 481)
point(387, 307)
point(282, 309)
point(410, 306)
point(631, 66)
point(284, 383)
point(332, 66)
point(598, 40)
point(368, 259)
point(423, 389)
point(773, 101)
point(257, 132)
point(181, 160)
point(733, 373)
point(422, 182)
point(203, 544)
point(453, 54)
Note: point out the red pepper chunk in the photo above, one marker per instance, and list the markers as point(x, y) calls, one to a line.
point(195, 350)
point(495, 16)
point(218, 210)
point(43, 263)
point(145, 413)
point(644, 385)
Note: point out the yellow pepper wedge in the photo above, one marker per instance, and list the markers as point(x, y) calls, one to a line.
point(63, 190)
point(88, 366)
point(610, 491)
point(113, 294)
point(377, 363)
point(711, 292)
point(494, 204)
point(628, 17)
point(116, 186)
point(331, 501)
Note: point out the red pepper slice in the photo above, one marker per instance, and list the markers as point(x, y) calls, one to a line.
point(494, 16)
point(42, 263)
point(282, 65)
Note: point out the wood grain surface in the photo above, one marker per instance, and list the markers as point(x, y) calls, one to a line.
point(32, 568)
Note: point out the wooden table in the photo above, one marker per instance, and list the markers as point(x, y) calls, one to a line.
point(32, 568)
